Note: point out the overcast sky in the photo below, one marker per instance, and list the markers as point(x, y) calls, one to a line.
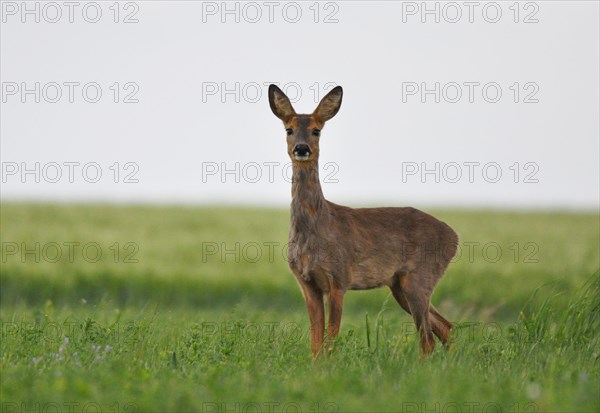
point(493, 105)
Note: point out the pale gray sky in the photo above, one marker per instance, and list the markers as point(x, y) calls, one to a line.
point(200, 80)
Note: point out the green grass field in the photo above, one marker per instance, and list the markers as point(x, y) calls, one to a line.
point(123, 309)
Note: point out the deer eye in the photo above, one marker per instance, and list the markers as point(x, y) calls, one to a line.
point(289, 131)
point(316, 132)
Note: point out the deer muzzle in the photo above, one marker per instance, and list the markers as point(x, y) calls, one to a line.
point(302, 152)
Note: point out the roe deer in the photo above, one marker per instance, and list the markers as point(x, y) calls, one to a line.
point(333, 248)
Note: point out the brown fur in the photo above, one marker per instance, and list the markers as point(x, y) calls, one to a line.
point(333, 248)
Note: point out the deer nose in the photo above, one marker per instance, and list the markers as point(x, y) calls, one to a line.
point(302, 149)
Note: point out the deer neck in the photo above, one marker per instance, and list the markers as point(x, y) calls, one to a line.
point(308, 203)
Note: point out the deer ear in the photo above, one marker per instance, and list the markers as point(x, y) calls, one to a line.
point(330, 104)
point(280, 104)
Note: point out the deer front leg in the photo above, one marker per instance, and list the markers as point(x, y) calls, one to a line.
point(316, 313)
point(336, 301)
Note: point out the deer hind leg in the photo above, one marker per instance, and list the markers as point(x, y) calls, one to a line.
point(439, 325)
point(399, 294)
point(418, 299)
point(316, 312)
point(335, 299)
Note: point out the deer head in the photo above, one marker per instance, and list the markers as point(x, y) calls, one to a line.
point(303, 131)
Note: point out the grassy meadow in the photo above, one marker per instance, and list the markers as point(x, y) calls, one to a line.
point(139, 308)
